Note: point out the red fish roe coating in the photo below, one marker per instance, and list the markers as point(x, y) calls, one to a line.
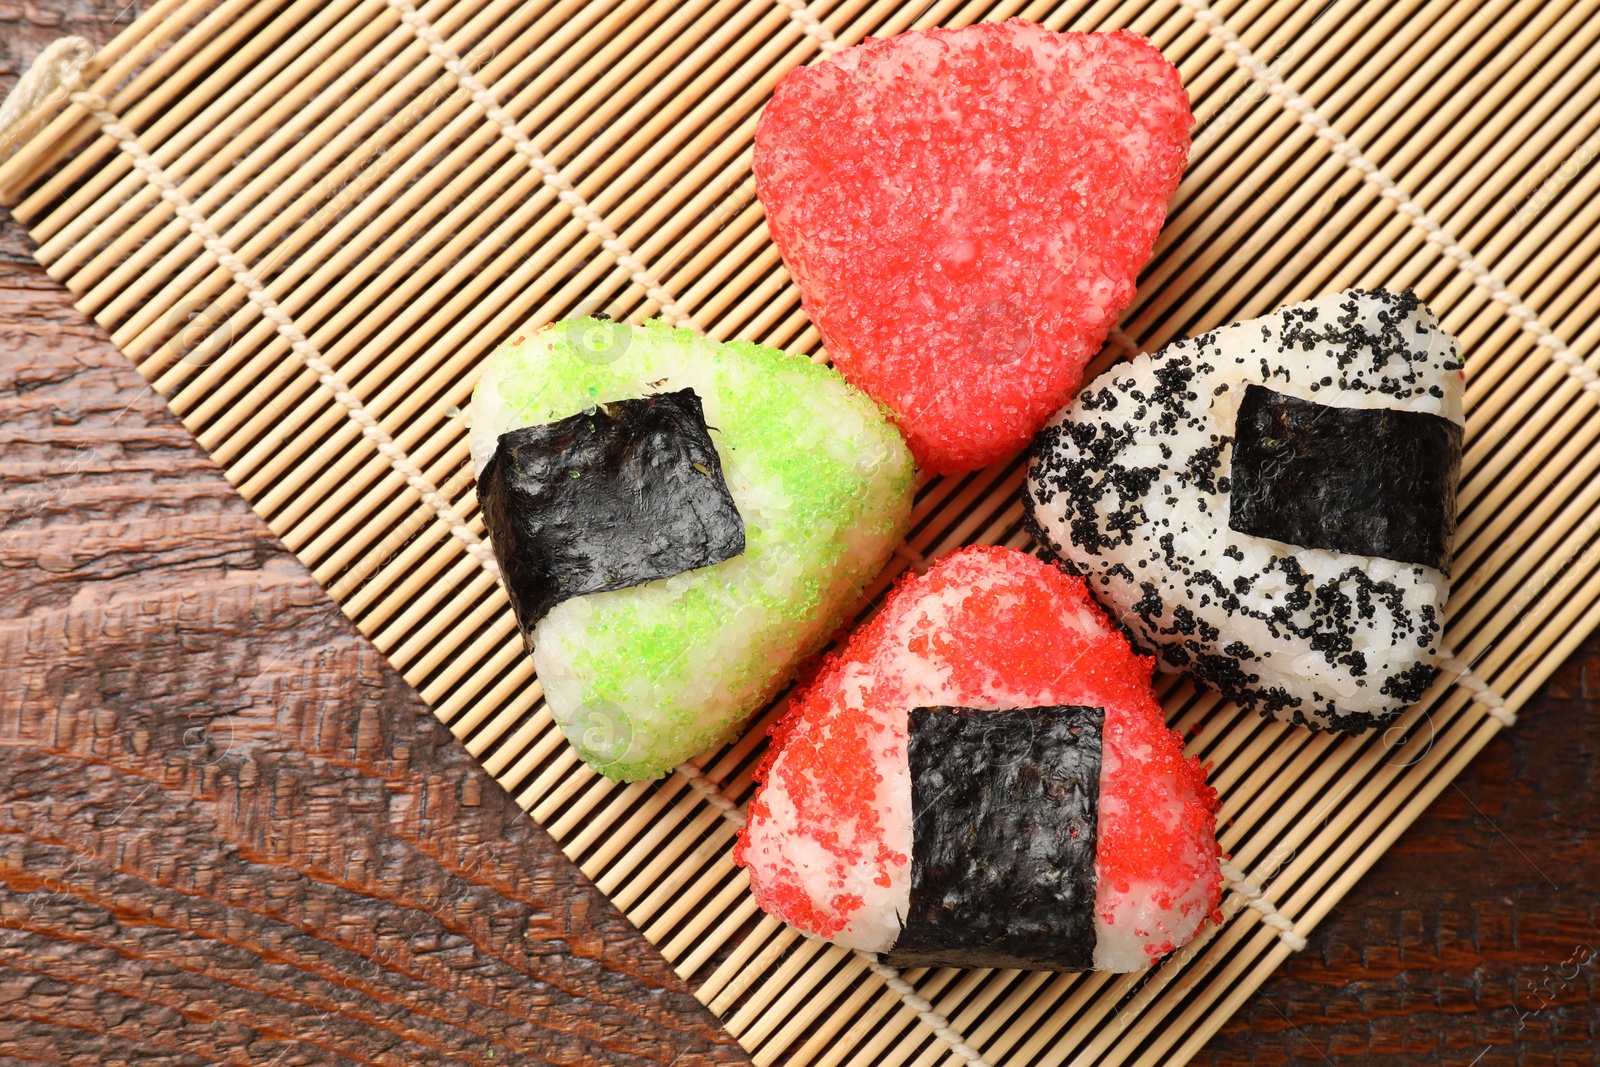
point(1136, 847)
point(986, 627)
point(966, 211)
point(843, 780)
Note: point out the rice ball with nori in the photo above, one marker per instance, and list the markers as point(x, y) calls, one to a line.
point(678, 521)
point(1271, 506)
point(983, 777)
point(965, 212)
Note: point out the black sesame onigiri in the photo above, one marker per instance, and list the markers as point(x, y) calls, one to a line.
point(1270, 507)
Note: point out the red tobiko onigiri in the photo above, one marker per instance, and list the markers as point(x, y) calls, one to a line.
point(965, 212)
point(983, 777)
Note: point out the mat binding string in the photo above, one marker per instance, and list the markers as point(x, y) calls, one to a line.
point(827, 43)
point(57, 71)
point(1251, 893)
point(1492, 703)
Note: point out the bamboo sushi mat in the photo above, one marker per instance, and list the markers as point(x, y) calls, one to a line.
point(323, 214)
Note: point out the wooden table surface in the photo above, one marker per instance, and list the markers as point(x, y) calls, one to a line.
point(229, 833)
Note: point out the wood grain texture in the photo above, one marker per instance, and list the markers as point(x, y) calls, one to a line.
point(229, 834)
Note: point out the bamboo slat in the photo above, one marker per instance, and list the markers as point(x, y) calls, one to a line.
point(405, 234)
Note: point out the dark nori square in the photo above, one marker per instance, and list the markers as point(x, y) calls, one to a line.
point(618, 496)
point(1373, 481)
point(1004, 808)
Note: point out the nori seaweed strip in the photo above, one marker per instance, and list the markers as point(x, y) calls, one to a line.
point(1004, 807)
point(1372, 481)
point(618, 496)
